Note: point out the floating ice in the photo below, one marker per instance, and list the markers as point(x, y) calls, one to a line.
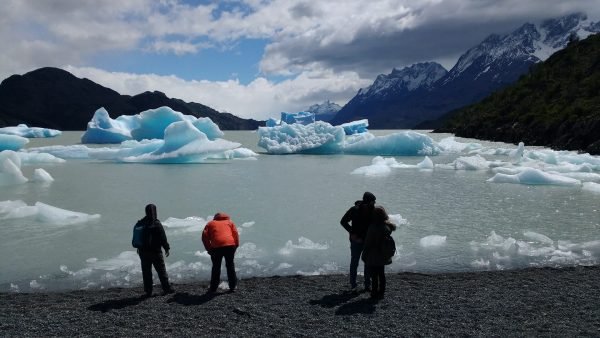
point(30, 132)
point(427, 163)
point(43, 213)
point(76, 151)
point(183, 143)
point(41, 175)
point(149, 124)
point(316, 138)
point(10, 169)
point(382, 166)
point(498, 252)
point(303, 117)
point(450, 144)
point(591, 186)
point(534, 177)
point(12, 142)
point(432, 241)
point(404, 143)
point(303, 244)
point(323, 138)
point(355, 127)
point(188, 224)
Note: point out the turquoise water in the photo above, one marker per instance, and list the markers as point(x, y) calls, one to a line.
point(288, 210)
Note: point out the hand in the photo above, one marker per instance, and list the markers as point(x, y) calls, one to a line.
point(167, 253)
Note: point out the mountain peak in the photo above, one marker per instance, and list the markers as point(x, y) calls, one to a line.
point(407, 79)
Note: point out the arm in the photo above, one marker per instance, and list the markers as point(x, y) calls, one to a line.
point(163, 239)
point(206, 238)
point(236, 235)
point(345, 221)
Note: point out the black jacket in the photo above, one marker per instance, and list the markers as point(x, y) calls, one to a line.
point(373, 250)
point(360, 215)
point(156, 235)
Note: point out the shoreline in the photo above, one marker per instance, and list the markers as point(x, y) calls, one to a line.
point(533, 301)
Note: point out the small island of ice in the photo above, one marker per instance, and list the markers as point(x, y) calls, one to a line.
point(30, 132)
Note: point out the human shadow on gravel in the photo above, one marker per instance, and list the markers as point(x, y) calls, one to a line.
point(185, 298)
point(364, 305)
point(334, 300)
point(115, 304)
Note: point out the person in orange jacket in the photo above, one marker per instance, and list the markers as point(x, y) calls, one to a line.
point(220, 238)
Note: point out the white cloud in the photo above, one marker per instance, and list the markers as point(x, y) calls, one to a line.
point(345, 42)
point(260, 99)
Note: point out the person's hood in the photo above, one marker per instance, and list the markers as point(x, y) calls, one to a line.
point(221, 216)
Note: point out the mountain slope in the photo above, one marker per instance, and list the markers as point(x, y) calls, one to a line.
point(54, 98)
point(556, 105)
point(494, 63)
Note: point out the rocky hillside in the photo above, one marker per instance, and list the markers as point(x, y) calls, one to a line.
point(54, 98)
point(557, 104)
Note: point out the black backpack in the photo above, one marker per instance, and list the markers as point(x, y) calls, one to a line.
point(141, 236)
point(389, 247)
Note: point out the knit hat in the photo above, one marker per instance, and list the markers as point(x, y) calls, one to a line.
point(368, 197)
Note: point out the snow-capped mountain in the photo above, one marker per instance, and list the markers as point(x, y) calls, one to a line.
point(422, 92)
point(324, 111)
point(403, 81)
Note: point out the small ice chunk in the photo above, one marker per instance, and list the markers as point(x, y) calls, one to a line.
point(534, 177)
point(41, 175)
point(432, 241)
point(592, 187)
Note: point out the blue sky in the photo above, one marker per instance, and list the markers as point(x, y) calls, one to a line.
point(253, 58)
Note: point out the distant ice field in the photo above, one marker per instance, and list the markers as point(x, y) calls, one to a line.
point(472, 208)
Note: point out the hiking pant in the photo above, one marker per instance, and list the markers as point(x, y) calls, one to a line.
point(378, 278)
point(216, 256)
point(150, 258)
point(356, 249)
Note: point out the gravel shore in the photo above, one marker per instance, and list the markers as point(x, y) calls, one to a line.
point(531, 302)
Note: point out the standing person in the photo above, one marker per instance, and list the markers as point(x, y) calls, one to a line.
point(374, 253)
point(154, 238)
point(220, 238)
point(356, 221)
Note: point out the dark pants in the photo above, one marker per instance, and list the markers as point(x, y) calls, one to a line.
point(216, 256)
point(150, 258)
point(356, 249)
point(378, 278)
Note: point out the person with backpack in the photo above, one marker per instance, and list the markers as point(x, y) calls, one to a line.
point(356, 221)
point(378, 250)
point(221, 238)
point(149, 238)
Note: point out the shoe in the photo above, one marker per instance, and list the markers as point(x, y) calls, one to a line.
point(353, 290)
point(146, 295)
point(168, 291)
point(211, 291)
point(366, 289)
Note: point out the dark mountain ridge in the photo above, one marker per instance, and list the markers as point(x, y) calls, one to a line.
point(54, 98)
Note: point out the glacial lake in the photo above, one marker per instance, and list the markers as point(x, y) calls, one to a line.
point(287, 209)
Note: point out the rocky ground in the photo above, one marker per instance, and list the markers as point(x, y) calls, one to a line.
point(532, 302)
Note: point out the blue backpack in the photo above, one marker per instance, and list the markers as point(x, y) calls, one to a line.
point(140, 236)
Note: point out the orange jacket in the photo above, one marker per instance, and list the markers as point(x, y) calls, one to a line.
point(220, 232)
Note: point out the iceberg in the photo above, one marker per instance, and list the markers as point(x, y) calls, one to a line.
point(43, 213)
point(323, 138)
point(534, 177)
point(12, 142)
point(149, 124)
point(303, 117)
point(183, 143)
point(30, 132)
point(316, 138)
point(355, 127)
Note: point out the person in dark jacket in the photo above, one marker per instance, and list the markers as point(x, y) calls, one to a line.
point(221, 238)
point(356, 221)
point(151, 253)
point(374, 255)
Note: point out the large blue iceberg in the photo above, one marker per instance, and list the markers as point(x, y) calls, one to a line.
point(182, 143)
point(323, 138)
point(30, 132)
point(303, 117)
point(149, 124)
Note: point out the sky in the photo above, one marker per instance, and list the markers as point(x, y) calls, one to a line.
point(253, 58)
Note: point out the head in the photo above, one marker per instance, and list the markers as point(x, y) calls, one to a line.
point(380, 215)
point(368, 198)
point(151, 212)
